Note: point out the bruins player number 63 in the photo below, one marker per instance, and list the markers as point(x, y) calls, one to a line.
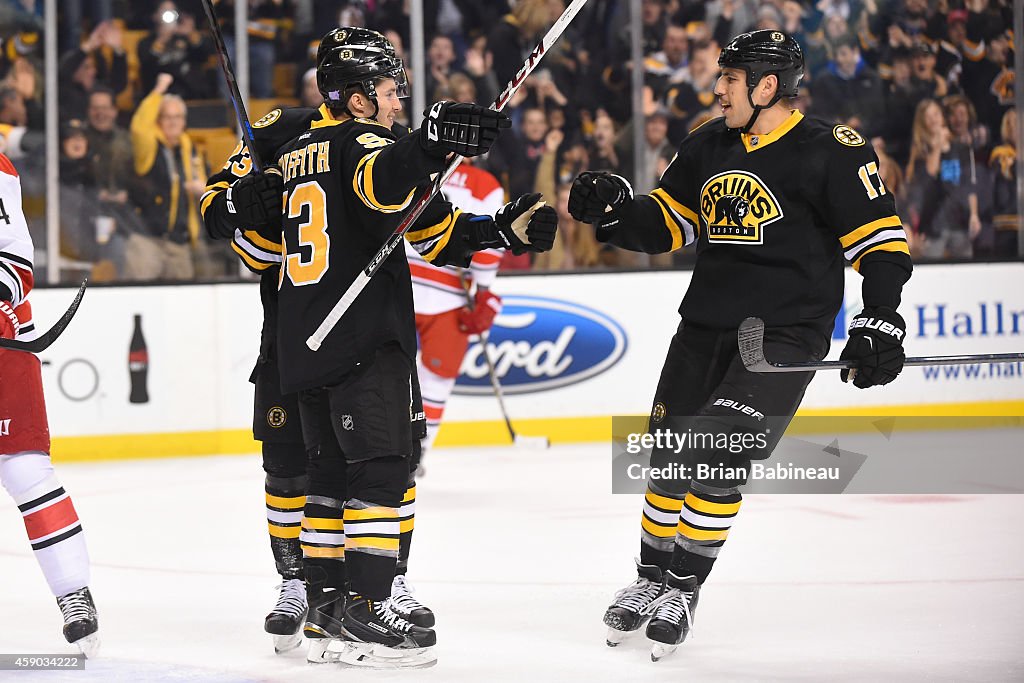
point(776, 204)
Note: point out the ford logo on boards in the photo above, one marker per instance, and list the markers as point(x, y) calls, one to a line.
point(538, 344)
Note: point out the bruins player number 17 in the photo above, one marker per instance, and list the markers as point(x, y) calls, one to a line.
point(775, 203)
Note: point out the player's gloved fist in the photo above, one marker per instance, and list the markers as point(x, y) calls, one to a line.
point(876, 346)
point(527, 224)
point(479, 318)
point(464, 128)
point(255, 200)
point(593, 194)
point(9, 324)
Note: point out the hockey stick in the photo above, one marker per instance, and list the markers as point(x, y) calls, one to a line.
point(357, 286)
point(236, 97)
point(44, 340)
point(517, 439)
point(751, 342)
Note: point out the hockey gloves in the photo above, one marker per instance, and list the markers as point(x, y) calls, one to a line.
point(254, 201)
point(876, 345)
point(9, 324)
point(593, 194)
point(479, 318)
point(463, 128)
point(526, 225)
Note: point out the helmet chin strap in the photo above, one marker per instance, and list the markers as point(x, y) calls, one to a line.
point(757, 108)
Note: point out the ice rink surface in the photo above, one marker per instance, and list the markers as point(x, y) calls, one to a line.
point(518, 553)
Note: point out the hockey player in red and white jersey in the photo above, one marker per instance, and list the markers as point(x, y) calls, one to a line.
point(25, 469)
point(444, 321)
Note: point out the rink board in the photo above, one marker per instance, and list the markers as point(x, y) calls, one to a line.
point(571, 351)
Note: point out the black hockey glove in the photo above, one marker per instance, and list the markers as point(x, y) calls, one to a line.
point(527, 224)
point(463, 128)
point(876, 345)
point(254, 201)
point(592, 194)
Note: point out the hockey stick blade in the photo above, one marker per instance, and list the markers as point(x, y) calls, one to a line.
point(44, 340)
point(316, 339)
point(751, 342)
point(532, 442)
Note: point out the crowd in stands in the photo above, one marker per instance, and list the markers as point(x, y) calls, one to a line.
point(144, 112)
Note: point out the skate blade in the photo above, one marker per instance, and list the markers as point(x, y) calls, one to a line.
point(661, 650)
point(89, 645)
point(287, 643)
point(372, 656)
point(615, 636)
point(326, 650)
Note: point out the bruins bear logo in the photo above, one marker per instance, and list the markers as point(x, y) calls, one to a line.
point(735, 206)
point(731, 210)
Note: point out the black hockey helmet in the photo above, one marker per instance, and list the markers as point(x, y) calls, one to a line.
point(356, 57)
point(764, 52)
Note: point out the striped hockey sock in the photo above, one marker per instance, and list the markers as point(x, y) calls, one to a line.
point(323, 537)
point(286, 497)
point(50, 520)
point(658, 526)
point(371, 547)
point(406, 522)
point(704, 524)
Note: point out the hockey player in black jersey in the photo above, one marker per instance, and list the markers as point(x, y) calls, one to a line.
point(775, 203)
point(346, 181)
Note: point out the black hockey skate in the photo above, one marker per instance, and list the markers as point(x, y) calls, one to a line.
point(324, 625)
point(408, 607)
point(673, 618)
point(379, 638)
point(633, 604)
point(81, 625)
point(285, 621)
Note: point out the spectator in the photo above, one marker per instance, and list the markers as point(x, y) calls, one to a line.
point(440, 66)
point(602, 153)
point(86, 234)
point(170, 179)
point(266, 18)
point(310, 94)
point(100, 61)
point(16, 140)
point(923, 77)
point(516, 33)
point(24, 78)
point(110, 149)
point(668, 67)
point(848, 88)
point(901, 103)
point(514, 158)
point(1006, 205)
point(963, 123)
point(989, 82)
point(942, 180)
point(479, 66)
point(176, 48)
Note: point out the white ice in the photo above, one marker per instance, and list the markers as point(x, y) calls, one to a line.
point(518, 553)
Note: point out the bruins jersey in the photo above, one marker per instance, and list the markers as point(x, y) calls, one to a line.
point(774, 218)
point(259, 251)
point(347, 184)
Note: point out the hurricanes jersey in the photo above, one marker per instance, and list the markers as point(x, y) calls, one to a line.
point(347, 184)
point(774, 218)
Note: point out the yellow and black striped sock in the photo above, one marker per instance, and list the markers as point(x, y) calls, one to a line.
point(285, 497)
point(323, 537)
point(406, 523)
point(704, 523)
point(658, 526)
point(371, 547)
